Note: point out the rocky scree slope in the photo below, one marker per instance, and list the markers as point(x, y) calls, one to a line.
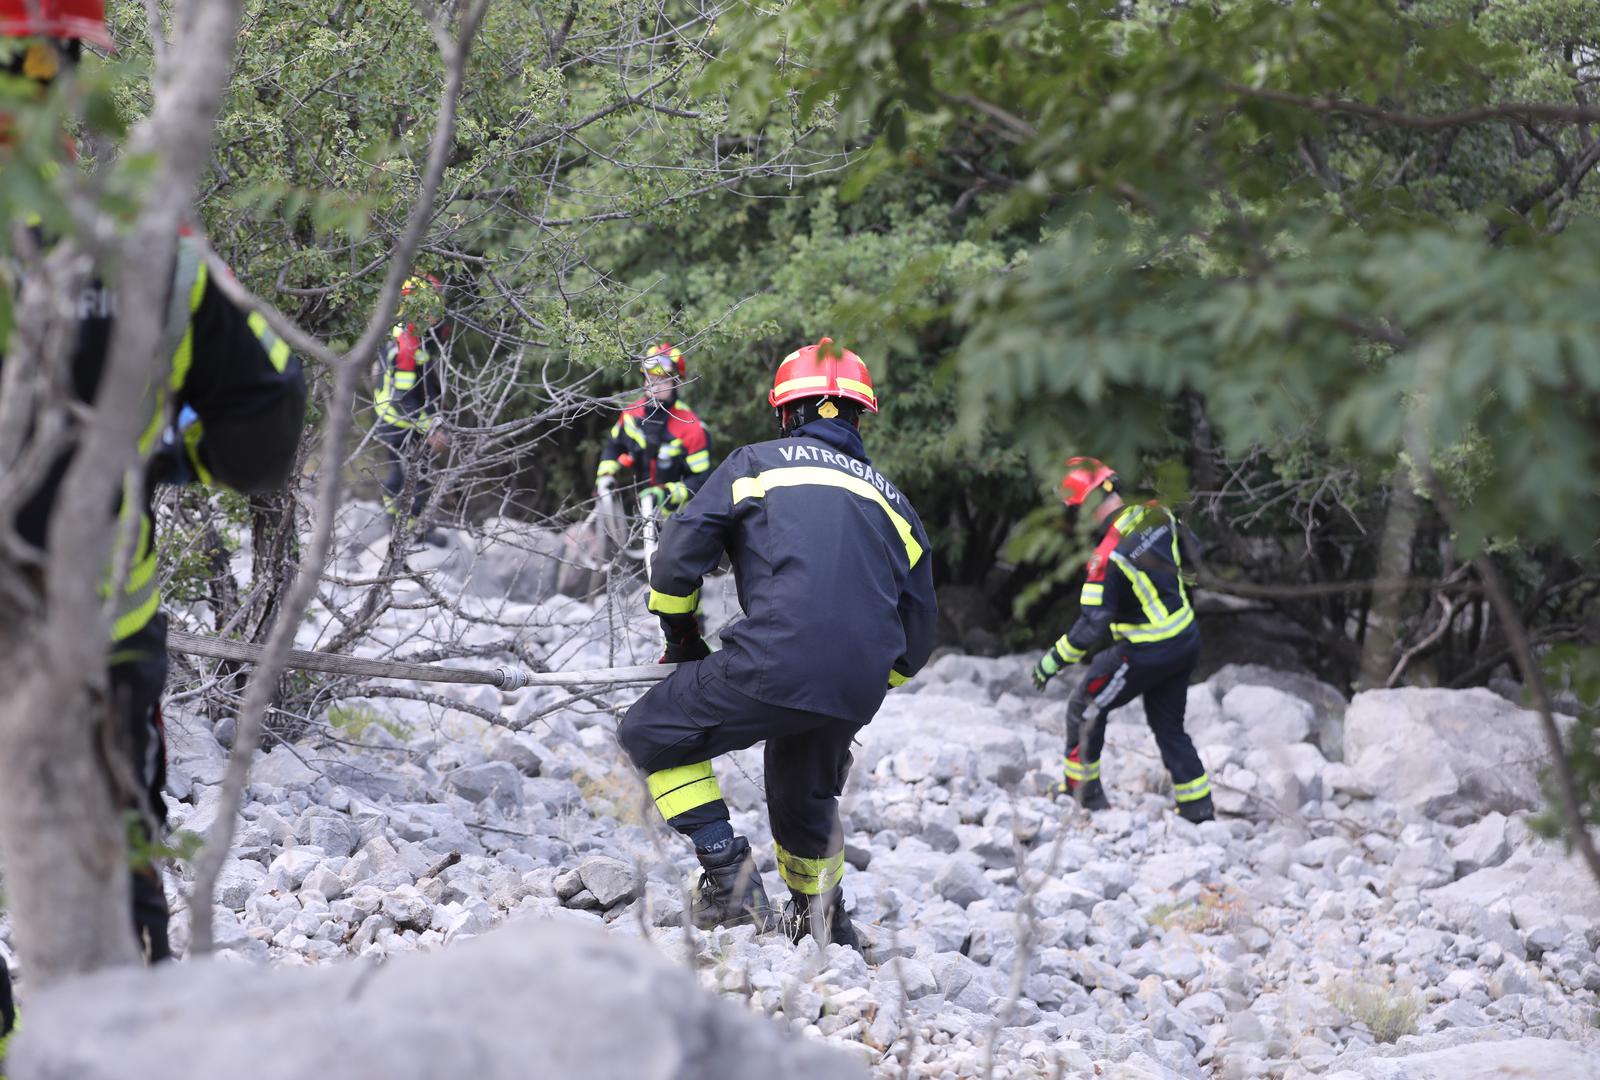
point(1387, 915)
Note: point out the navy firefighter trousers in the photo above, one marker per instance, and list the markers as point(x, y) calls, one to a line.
point(695, 714)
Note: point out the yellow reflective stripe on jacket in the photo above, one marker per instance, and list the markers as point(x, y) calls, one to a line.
point(666, 604)
point(140, 597)
point(1160, 624)
point(188, 289)
point(1080, 770)
point(389, 413)
point(607, 467)
point(191, 448)
point(1145, 589)
point(897, 679)
point(812, 877)
point(1093, 594)
point(184, 357)
point(1198, 788)
point(683, 788)
point(277, 348)
point(756, 487)
point(630, 427)
point(1170, 627)
point(699, 461)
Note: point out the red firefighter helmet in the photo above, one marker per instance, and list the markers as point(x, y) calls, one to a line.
point(77, 20)
point(1084, 476)
point(822, 370)
point(664, 359)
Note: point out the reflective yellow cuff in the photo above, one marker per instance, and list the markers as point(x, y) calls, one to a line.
point(897, 679)
point(683, 788)
point(1093, 595)
point(699, 461)
point(1198, 788)
point(608, 467)
point(1080, 770)
point(666, 604)
point(812, 877)
point(1066, 652)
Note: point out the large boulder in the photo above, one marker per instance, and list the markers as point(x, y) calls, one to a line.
point(1537, 887)
point(547, 998)
point(1327, 704)
point(1269, 717)
point(1452, 755)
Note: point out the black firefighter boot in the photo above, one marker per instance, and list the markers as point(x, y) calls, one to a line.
point(1094, 795)
point(803, 913)
point(1197, 810)
point(730, 892)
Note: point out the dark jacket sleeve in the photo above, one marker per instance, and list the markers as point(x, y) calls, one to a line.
point(1098, 605)
point(919, 612)
point(249, 392)
point(697, 458)
point(616, 444)
point(692, 542)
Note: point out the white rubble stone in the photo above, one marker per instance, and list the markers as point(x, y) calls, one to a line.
point(1482, 844)
point(294, 864)
point(612, 881)
point(237, 881)
point(962, 882)
point(497, 780)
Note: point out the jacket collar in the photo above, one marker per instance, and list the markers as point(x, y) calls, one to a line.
point(837, 434)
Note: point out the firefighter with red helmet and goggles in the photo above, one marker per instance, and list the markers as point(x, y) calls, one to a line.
point(658, 437)
point(246, 393)
point(834, 575)
point(1135, 610)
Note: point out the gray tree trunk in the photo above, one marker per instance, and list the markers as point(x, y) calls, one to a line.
point(1394, 566)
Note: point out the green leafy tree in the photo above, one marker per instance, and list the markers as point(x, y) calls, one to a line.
point(1360, 229)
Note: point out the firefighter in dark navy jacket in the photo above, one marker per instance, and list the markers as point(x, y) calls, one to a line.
point(833, 573)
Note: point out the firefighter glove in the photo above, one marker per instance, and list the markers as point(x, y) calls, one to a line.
point(1046, 669)
point(684, 642)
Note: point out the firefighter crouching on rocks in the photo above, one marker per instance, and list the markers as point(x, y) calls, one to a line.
point(1135, 595)
point(658, 437)
point(247, 393)
point(832, 569)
